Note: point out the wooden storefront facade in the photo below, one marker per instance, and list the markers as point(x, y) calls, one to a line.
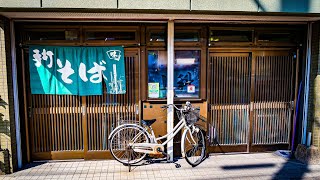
point(247, 86)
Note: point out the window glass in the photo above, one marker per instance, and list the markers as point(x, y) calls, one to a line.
point(70, 35)
point(186, 36)
point(157, 36)
point(110, 36)
point(276, 37)
point(186, 73)
point(157, 74)
point(230, 36)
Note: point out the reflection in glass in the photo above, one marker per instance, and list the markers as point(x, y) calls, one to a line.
point(186, 74)
point(157, 74)
point(110, 36)
point(276, 37)
point(70, 35)
point(157, 36)
point(186, 37)
point(230, 36)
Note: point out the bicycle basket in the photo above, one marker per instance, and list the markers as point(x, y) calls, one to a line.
point(192, 116)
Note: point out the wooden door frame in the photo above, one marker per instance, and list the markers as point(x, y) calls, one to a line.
point(25, 102)
point(224, 148)
point(253, 50)
point(293, 97)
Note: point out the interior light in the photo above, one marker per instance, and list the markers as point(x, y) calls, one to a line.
point(185, 61)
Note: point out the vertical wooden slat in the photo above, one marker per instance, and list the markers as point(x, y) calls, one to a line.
point(34, 117)
point(59, 125)
point(46, 124)
point(53, 99)
point(84, 125)
point(70, 125)
point(74, 124)
point(52, 145)
point(94, 124)
point(40, 125)
point(74, 137)
point(80, 121)
point(100, 122)
point(64, 121)
point(34, 125)
point(49, 124)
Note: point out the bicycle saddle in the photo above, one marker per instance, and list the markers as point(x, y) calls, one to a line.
point(148, 122)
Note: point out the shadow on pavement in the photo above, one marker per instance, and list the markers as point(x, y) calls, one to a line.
point(33, 164)
point(248, 166)
point(292, 169)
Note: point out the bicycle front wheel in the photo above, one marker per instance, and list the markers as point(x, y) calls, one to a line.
point(194, 146)
point(119, 144)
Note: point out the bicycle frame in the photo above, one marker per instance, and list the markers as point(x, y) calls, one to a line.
point(153, 147)
point(176, 129)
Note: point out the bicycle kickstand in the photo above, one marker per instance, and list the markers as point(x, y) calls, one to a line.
point(128, 155)
point(165, 154)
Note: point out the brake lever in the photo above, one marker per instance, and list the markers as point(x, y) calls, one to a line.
point(164, 107)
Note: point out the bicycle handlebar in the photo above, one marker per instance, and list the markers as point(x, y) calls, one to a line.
point(185, 108)
point(188, 107)
point(167, 105)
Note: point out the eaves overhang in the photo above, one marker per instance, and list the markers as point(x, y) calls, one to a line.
point(182, 16)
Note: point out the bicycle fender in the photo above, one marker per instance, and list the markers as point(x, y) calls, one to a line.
point(182, 142)
point(183, 137)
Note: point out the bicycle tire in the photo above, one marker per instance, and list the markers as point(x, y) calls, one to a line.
point(120, 140)
point(194, 153)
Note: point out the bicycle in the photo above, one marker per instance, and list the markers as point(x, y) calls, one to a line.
point(130, 143)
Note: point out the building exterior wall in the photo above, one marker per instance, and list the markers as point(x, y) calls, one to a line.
point(80, 4)
point(20, 3)
point(151, 4)
point(296, 6)
point(314, 97)
point(7, 124)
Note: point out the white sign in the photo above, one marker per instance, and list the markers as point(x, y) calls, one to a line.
point(154, 90)
point(191, 89)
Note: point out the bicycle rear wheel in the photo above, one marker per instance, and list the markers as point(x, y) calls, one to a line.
point(194, 146)
point(119, 144)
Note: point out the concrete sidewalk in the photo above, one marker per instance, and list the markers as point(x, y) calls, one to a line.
point(230, 166)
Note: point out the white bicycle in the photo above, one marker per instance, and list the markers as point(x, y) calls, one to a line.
point(130, 143)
